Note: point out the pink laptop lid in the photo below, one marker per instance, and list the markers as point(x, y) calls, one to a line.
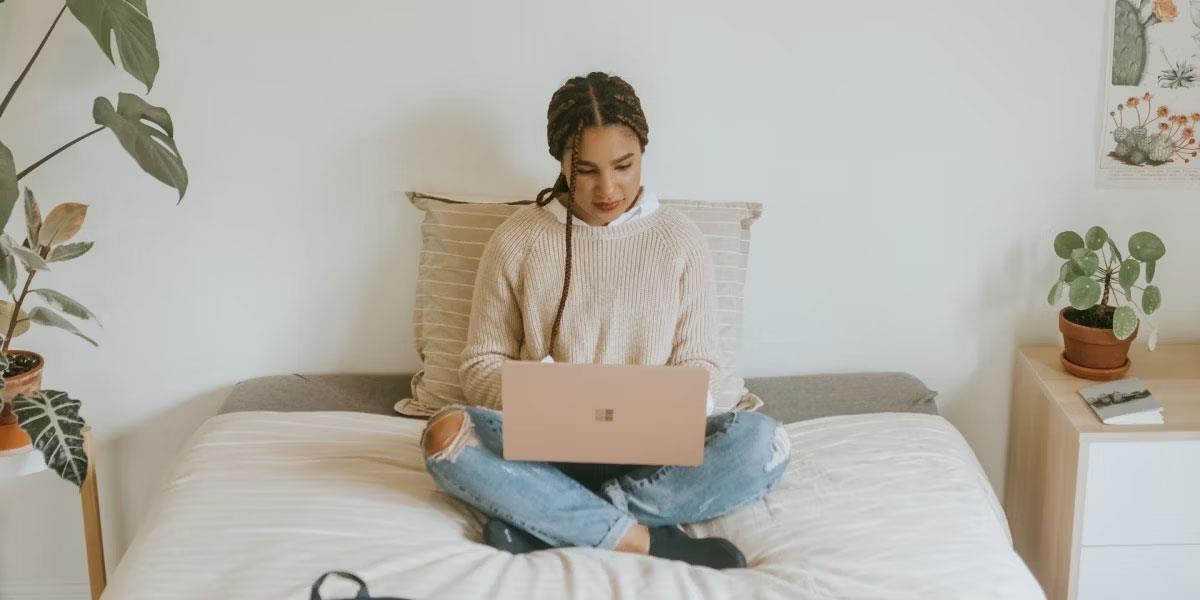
point(617, 414)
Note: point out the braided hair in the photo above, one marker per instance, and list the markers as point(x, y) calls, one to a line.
point(595, 100)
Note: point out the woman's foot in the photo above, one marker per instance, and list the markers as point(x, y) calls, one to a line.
point(670, 542)
point(502, 536)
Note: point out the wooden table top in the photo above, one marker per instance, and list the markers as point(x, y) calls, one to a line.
point(1171, 372)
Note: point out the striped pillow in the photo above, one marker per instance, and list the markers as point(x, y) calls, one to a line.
point(453, 235)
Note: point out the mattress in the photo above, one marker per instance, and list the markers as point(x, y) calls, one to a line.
point(259, 504)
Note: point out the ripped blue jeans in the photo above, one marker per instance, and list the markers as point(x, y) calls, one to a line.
point(575, 504)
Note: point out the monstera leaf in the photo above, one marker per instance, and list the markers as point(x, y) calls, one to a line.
point(152, 147)
point(8, 185)
point(129, 21)
point(51, 418)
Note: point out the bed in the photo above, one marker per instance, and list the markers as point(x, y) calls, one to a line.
point(299, 475)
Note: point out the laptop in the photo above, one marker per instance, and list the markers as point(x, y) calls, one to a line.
point(610, 414)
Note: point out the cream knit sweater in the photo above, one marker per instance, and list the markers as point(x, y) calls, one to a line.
point(642, 293)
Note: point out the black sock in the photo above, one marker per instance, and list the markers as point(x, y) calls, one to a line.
point(672, 543)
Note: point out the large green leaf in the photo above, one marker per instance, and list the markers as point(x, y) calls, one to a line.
point(1146, 246)
point(1065, 242)
point(51, 418)
point(1085, 293)
point(45, 316)
point(1151, 299)
point(8, 185)
point(152, 147)
point(1095, 238)
point(62, 302)
point(129, 21)
point(1124, 322)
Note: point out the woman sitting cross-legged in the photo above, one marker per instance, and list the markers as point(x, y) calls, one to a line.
point(632, 284)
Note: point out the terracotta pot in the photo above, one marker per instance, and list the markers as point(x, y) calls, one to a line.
point(12, 438)
point(1093, 352)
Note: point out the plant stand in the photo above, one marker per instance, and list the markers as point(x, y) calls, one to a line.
point(27, 463)
point(89, 495)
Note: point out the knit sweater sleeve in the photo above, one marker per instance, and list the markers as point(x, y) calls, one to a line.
point(696, 340)
point(495, 329)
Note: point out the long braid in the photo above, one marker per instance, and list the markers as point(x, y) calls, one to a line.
point(562, 299)
point(596, 100)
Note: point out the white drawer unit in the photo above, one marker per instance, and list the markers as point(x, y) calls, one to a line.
point(1128, 572)
point(1103, 511)
point(1142, 493)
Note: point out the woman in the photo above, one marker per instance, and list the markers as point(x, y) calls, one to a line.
point(639, 278)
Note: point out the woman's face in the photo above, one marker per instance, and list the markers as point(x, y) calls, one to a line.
point(609, 174)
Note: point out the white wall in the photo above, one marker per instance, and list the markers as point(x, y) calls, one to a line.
point(915, 159)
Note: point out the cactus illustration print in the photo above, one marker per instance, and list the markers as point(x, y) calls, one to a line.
point(1181, 74)
point(1148, 136)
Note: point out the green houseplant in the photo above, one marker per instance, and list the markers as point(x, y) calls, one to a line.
point(1097, 334)
point(49, 420)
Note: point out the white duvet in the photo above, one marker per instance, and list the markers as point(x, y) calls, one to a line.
point(261, 503)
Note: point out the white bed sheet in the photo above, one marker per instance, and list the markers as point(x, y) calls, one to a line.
point(260, 503)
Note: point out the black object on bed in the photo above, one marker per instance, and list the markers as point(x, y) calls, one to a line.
point(363, 593)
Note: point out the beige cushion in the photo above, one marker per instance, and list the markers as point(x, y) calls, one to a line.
point(453, 235)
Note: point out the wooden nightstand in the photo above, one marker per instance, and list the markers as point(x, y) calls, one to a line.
point(1106, 511)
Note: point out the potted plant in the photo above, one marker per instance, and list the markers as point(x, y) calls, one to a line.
point(49, 420)
point(1097, 334)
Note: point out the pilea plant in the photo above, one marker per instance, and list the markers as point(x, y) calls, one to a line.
point(50, 417)
point(1096, 273)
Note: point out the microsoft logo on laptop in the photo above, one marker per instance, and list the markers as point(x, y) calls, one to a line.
point(604, 414)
